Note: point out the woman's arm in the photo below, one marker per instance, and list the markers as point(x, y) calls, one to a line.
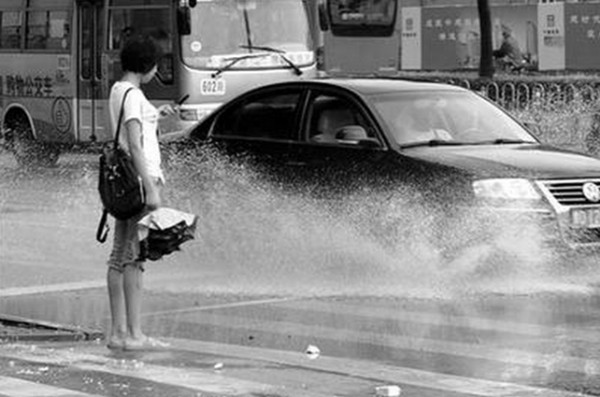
point(134, 138)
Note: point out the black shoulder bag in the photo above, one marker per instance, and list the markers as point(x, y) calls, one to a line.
point(120, 186)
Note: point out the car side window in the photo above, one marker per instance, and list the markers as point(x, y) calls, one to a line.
point(336, 119)
point(272, 116)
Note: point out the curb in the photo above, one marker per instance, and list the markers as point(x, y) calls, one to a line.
point(19, 329)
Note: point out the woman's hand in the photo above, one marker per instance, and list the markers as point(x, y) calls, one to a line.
point(167, 110)
point(153, 200)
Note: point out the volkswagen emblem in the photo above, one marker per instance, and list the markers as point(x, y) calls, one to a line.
point(591, 192)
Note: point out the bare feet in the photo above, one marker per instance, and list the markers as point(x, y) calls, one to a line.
point(115, 343)
point(144, 343)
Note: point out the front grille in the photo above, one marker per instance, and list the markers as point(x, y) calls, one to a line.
point(570, 192)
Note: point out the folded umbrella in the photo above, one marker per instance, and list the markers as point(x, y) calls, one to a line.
point(162, 232)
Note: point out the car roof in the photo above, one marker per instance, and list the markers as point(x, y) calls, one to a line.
point(376, 85)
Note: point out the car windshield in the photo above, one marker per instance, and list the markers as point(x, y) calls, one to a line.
point(446, 117)
point(223, 30)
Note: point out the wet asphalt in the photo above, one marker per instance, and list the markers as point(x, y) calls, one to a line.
point(239, 322)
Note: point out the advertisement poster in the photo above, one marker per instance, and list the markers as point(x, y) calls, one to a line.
point(450, 38)
point(411, 48)
point(551, 36)
point(582, 36)
point(451, 35)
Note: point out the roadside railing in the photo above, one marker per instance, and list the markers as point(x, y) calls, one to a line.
point(521, 95)
point(566, 114)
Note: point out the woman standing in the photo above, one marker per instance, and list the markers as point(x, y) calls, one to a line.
point(138, 137)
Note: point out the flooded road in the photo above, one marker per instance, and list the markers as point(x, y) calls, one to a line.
point(275, 273)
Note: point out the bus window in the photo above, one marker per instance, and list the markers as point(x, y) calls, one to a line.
point(47, 30)
point(154, 22)
point(10, 29)
point(225, 29)
point(125, 23)
point(362, 17)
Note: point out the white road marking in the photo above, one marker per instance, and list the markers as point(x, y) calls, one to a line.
point(49, 225)
point(444, 319)
point(196, 379)
point(556, 361)
point(370, 370)
point(13, 387)
point(40, 289)
point(229, 305)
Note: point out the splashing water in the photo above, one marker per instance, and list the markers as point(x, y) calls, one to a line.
point(255, 237)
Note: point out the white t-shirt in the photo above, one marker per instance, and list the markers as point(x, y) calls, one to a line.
point(137, 107)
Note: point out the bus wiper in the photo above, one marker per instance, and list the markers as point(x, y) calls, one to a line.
point(433, 142)
point(233, 62)
point(277, 51)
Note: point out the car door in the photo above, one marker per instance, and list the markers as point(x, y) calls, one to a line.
point(259, 128)
point(342, 146)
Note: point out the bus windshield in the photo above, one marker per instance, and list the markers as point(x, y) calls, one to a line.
point(223, 30)
point(362, 17)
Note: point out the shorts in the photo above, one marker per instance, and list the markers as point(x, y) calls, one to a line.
point(126, 243)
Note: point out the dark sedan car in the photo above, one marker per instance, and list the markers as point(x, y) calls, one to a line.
point(471, 164)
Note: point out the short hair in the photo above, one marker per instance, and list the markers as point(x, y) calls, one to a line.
point(140, 55)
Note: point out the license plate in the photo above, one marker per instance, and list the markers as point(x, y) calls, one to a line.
point(586, 218)
point(212, 87)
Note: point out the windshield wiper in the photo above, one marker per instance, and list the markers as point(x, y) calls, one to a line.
point(504, 141)
point(433, 142)
point(277, 51)
point(233, 62)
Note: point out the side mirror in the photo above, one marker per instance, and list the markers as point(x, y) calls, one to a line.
point(184, 21)
point(323, 19)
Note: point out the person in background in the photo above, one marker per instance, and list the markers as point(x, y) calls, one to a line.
point(139, 57)
point(509, 52)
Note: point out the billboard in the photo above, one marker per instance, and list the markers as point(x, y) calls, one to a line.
point(450, 38)
point(410, 51)
point(551, 37)
point(582, 36)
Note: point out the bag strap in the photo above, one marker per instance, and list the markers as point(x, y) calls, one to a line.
point(116, 141)
point(103, 228)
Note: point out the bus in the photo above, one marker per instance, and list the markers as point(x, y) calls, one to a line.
point(360, 37)
point(59, 59)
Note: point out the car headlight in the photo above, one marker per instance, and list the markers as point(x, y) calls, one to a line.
point(509, 188)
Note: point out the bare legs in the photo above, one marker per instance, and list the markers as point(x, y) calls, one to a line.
point(125, 292)
point(133, 288)
point(116, 298)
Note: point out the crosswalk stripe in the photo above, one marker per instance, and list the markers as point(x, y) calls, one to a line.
point(370, 370)
point(40, 224)
point(555, 361)
point(37, 289)
point(228, 305)
point(190, 378)
point(13, 387)
point(443, 319)
point(207, 382)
